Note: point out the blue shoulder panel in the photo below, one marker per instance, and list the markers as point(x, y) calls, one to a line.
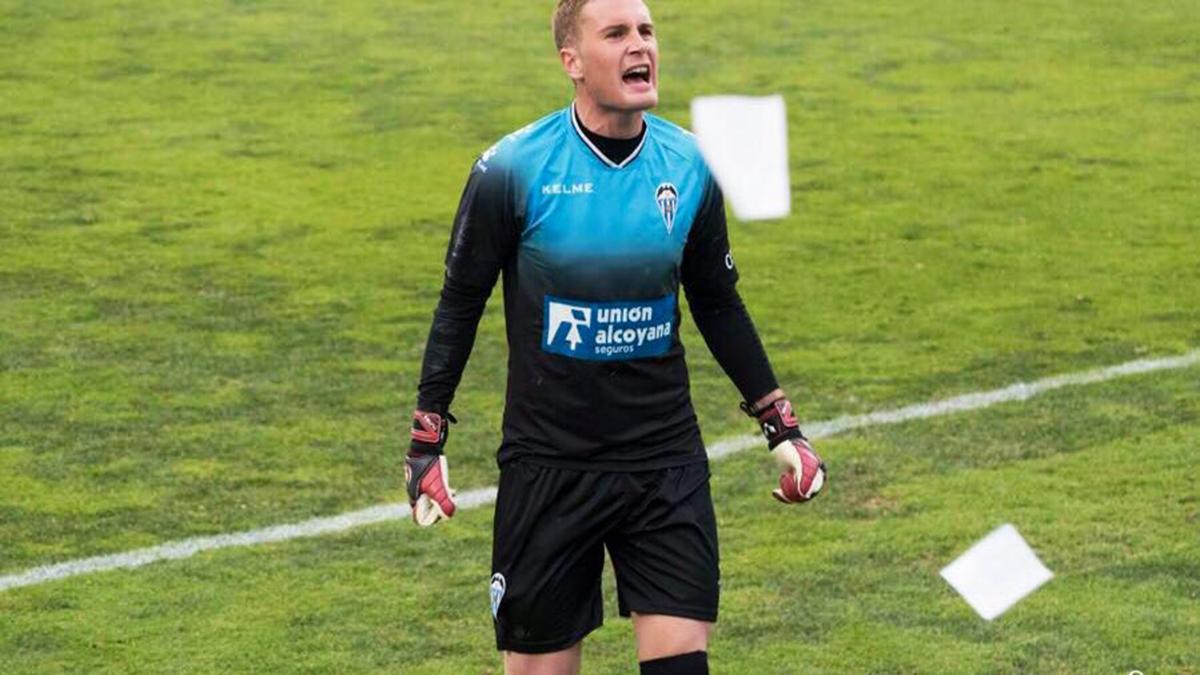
point(524, 150)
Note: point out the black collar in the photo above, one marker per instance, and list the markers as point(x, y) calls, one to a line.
point(615, 152)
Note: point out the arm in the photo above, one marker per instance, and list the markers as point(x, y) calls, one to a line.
point(710, 281)
point(485, 235)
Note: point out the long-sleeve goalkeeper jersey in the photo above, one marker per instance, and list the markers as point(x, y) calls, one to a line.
point(592, 254)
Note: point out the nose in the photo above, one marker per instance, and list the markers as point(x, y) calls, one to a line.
point(638, 44)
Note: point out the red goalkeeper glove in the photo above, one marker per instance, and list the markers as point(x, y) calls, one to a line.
point(426, 473)
point(803, 471)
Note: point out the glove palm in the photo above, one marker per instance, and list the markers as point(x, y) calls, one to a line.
point(803, 472)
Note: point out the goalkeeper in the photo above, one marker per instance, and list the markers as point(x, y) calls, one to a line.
point(593, 217)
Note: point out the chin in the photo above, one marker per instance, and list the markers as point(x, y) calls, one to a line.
point(650, 102)
point(640, 102)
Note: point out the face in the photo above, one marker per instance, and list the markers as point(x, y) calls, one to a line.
point(614, 59)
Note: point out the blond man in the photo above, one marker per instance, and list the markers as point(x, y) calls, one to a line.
point(594, 216)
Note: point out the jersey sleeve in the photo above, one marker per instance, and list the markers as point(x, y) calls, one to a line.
point(710, 283)
point(483, 239)
point(708, 267)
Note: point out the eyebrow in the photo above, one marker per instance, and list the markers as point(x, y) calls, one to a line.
point(621, 26)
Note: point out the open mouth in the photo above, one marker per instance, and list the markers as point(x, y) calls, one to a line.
point(637, 74)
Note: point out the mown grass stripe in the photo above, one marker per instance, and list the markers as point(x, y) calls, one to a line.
point(187, 548)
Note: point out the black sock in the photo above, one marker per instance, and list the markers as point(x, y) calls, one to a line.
point(695, 663)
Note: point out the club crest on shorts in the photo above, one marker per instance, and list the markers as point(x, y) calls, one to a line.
point(499, 585)
point(668, 200)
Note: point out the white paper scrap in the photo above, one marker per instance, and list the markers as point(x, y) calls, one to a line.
point(996, 573)
point(744, 139)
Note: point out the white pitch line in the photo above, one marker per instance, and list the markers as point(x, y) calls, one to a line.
point(1017, 392)
point(186, 548)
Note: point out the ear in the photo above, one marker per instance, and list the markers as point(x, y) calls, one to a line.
point(571, 63)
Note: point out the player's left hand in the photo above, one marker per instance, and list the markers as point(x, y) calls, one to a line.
point(803, 471)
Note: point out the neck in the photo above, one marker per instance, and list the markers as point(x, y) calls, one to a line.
point(607, 121)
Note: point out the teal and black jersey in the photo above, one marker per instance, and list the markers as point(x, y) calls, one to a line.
point(593, 254)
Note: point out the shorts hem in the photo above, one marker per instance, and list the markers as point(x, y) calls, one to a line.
point(699, 614)
point(544, 646)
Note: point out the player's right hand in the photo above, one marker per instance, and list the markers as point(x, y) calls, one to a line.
point(426, 473)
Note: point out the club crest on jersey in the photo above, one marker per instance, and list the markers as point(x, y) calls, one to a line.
point(499, 585)
point(668, 201)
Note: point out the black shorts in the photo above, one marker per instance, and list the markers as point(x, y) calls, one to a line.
point(552, 526)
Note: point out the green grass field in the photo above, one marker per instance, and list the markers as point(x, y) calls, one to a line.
point(221, 234)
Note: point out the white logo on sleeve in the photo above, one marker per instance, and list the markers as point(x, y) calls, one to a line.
point(561, 313)
point(486, 157)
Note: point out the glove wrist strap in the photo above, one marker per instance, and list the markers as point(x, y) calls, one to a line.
point(429, 432)
point(776, 420)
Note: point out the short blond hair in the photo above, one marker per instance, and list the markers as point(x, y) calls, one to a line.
point(566, 21)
